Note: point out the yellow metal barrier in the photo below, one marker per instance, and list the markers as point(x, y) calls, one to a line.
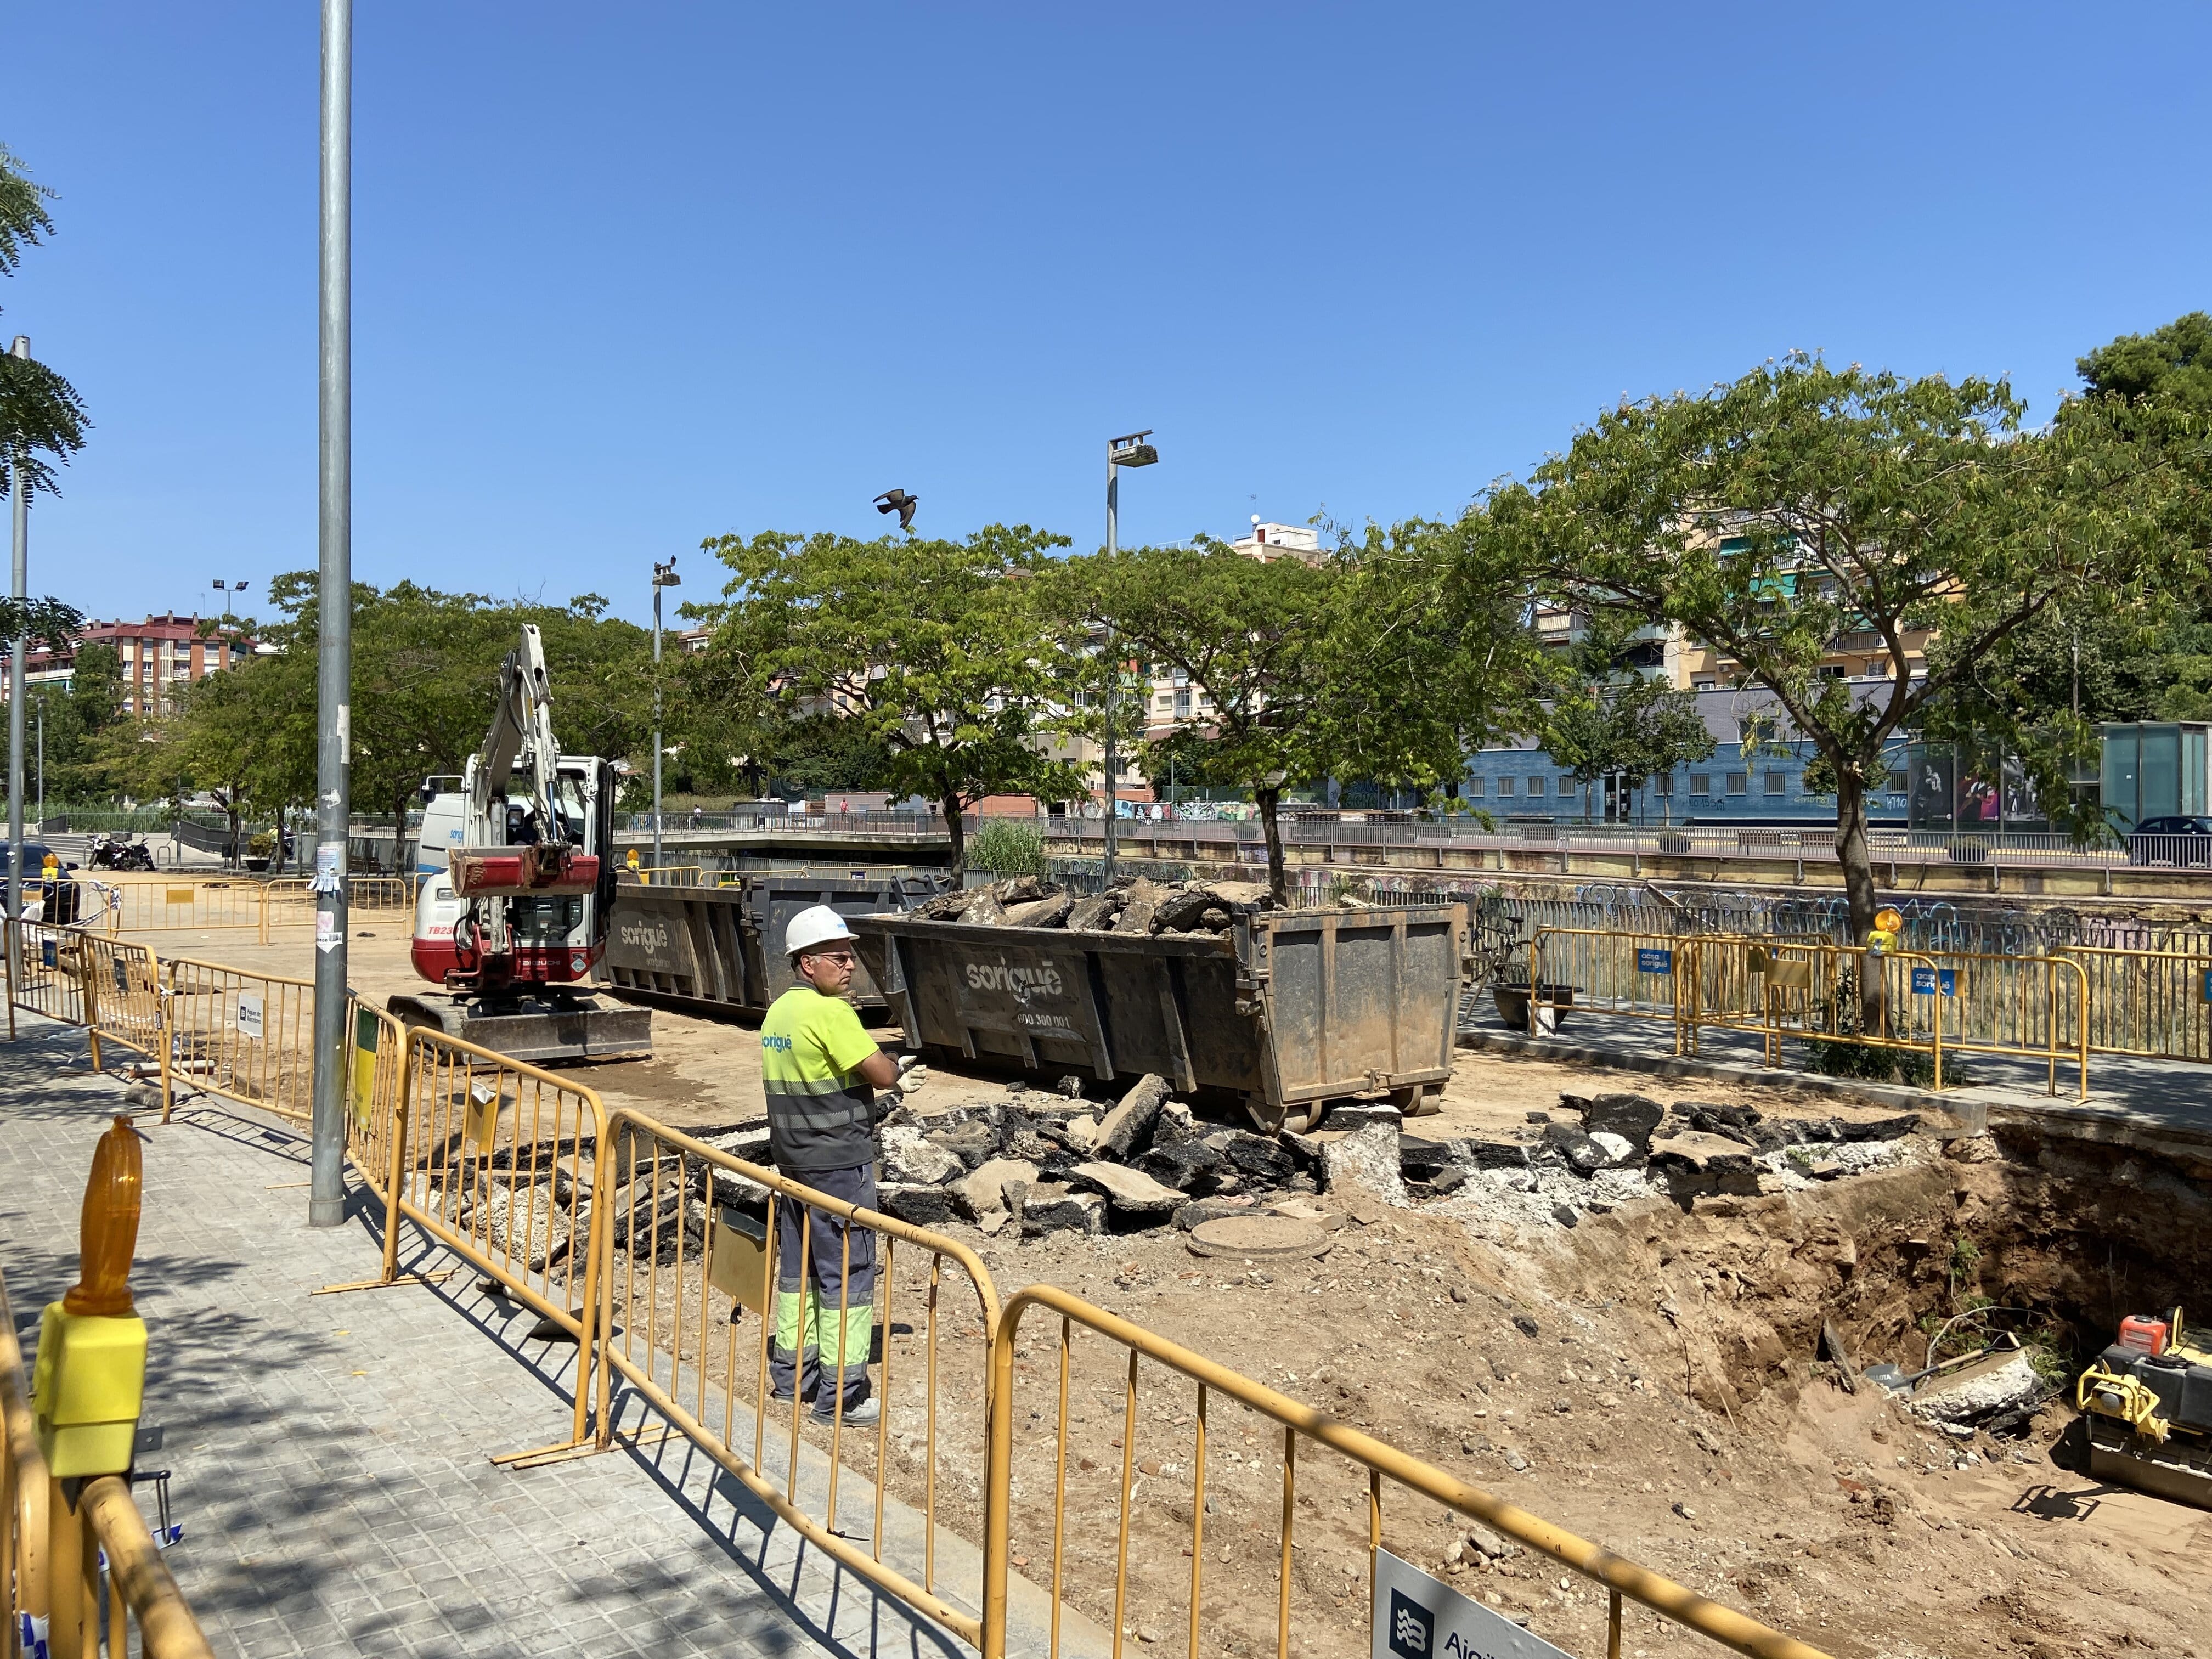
point(665, 875)
point(26, 1490)
point(51, 1548)
point(246, 1035)
point(495, 1160)
point(1645, 975)
point(207, 904)
point(688, 1240)
point(2146, 1002)
point(1105, 1512)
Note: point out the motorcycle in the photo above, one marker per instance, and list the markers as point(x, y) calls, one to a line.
point(110, 853)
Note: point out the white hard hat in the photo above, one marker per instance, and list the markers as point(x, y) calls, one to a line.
point(816, 924)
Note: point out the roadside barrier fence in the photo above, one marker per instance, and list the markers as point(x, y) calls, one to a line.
point(180, 904)
point(1930, 1002)
point(78, 1567)
point(1249, 1486)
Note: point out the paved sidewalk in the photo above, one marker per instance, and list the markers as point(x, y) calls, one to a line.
point(331, 1455)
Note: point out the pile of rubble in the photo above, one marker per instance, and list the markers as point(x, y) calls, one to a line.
point(1042, 1161)
point(1612, 1149)
point(1131, 904)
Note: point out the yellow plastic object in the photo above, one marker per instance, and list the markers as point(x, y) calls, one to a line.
point(2109, 1394)
point(90, 1378)
point(87, 1389)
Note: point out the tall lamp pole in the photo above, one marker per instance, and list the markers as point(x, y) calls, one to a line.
point(19, 585)
point(663, 575)
point(1128, 451)
point(334, 620)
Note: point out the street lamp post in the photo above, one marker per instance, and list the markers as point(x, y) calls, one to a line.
point(226, 589)
point(1131, 449)
point(20, 586)
point(334, 599)
point(663, 575)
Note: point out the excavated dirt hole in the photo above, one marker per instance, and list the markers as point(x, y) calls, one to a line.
point(2072, 1233)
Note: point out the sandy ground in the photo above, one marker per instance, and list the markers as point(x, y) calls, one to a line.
point(1645, 1379)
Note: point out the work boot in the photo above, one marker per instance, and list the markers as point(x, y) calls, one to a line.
point(866, 1411)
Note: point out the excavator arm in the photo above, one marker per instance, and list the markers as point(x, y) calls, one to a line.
point(520, 744)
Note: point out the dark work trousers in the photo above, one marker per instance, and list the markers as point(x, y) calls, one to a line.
point(841, 1268)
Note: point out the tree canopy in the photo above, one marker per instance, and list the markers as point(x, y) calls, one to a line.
point(1605, 717)
point(939, 650)
point(42, 419)
point(1801, 502)
point(1363, 665)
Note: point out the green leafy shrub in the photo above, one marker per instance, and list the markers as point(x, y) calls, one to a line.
point(1008, 846)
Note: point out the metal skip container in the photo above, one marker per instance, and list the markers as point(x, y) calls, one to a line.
point(721, 948)
point(1288, 1010)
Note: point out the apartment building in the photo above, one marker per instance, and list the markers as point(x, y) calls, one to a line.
point(157, 656)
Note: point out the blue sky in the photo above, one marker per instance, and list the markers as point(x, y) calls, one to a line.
point(626, 276)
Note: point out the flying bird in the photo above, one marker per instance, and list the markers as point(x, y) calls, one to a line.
point(898, 502)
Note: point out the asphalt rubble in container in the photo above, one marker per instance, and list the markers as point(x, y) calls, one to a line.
point(1131, 904)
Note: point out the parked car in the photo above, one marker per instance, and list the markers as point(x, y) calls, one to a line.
point(2186, 840)
point(34, 858)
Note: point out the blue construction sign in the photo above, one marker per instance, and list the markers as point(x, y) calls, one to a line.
point(1652, 960)
point(1925, 981)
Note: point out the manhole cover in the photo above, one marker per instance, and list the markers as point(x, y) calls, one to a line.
point(1257, 1236)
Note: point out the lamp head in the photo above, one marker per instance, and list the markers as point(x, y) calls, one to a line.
point(1132, 450)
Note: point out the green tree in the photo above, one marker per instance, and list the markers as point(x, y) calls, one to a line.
point(2148, 658)
point(1361, 666)
point(1770, 515)
point(939, 650)
point(1606, 718)
point(2173, 363)
point(40, 414)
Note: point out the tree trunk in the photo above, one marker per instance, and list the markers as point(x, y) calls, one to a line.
point(1859, 893)
point(950, 805)
point(1269, 801)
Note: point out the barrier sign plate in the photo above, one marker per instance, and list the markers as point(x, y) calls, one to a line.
point(249, 1017)
point(1925, 981)
point(2204, 986)
point(1418, 1617)
point(737, 1265)
point(1652, 960)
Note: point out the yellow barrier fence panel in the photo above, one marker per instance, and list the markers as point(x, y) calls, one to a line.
point(25, 1488)
point(50, 971)
point(245, 1036)
point(184, 904)
point(717, 1279)
point(1225, 1464)
point(1645, 975)
point(2156, 1002)
point(128, 1001)
point(495, 1162)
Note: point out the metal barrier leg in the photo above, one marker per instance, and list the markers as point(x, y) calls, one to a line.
point(165, 1033)
point(88, 986)
point(65, 1554)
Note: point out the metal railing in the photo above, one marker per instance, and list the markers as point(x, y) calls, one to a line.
point(76, 1570)
point(154, 904)
point(1937, 1002)
point(246, 1035)
point(664, 875)
point(692, 1240)
point(1097, 1498)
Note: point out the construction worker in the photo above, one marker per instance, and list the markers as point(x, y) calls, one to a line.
point(821, 1071)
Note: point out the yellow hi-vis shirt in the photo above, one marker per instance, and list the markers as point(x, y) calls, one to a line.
point(819, 1109)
